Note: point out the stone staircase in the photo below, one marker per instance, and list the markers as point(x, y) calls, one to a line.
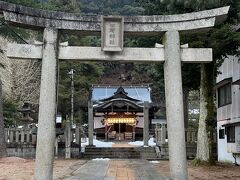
point(120, 152)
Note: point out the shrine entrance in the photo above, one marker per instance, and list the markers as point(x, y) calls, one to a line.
point(118, 111)
point(120, 127)
point(111, 30)
point(120, 131)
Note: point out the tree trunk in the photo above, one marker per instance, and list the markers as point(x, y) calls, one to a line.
point(202, 141)
point(3, 148)
point(206, 119)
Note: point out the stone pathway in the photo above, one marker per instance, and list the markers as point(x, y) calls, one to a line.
point(122, 145)
point(117, 170)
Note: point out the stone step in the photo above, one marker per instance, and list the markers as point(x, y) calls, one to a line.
point(113, 154)
point(148, 149)
point(120, 152)
point(116, 151)
point(121, 156)
point(111, 157)
point(112, 150)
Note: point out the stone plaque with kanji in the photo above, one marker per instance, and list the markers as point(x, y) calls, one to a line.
point(112, 33)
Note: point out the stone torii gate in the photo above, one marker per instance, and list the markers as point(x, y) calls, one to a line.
point(50, 52)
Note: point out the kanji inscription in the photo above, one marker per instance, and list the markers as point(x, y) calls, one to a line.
point(112, 33)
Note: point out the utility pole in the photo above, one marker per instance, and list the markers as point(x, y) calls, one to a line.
point(71, 73)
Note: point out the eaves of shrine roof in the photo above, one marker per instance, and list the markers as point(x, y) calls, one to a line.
point(120, 94)
point(113, 102)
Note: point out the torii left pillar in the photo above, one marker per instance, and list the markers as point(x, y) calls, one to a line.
point(47, 106)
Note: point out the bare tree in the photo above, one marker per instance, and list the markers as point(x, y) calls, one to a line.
point(26, 80)
point(5, 73)
point(3, 148)
point(21, 82)
point(21, 78)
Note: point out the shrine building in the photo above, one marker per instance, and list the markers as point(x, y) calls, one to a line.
point(118, 111)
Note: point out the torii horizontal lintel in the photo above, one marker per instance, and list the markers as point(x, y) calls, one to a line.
point(91, 25)
point(188, 55)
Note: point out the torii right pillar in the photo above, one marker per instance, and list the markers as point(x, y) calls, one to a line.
point(174, 106)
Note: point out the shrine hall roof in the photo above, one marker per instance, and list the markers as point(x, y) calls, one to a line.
point(138, 92)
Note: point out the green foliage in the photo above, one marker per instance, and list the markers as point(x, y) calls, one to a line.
point(178, 6)
point(29, 3)
point(85, 75)
point(107, 7)
point(62, 5)
point(56, 5)
point(17, 34)
point(223, 39)
point(9, 112)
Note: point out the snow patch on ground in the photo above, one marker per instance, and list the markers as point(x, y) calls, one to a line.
point(101, 159)
point(98, 143)
point(140, 143)
point(154, 162)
